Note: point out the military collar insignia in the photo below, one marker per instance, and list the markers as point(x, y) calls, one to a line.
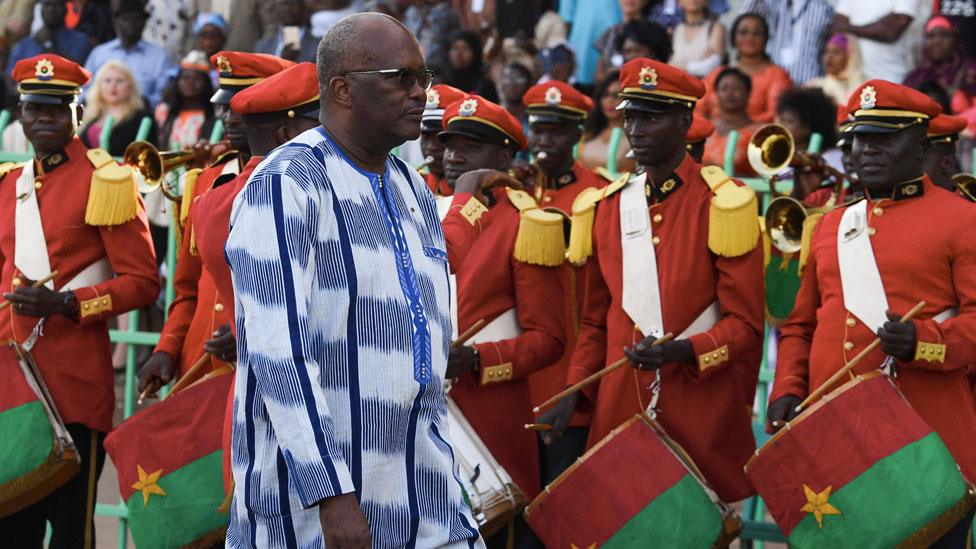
point(44, 70)
point(433, 99)
point(869, 98)
point(52, 161)
point(223, 65)
point(554, 97)
point(908, 189)
point(647, 78)
point(657, 193)
point(468, 107)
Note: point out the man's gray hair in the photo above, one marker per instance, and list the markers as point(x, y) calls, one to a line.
point(341, 44)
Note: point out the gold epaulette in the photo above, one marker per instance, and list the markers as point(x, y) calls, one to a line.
point(806, 238)
point(229, 155)
point(604, 173)
point(113, 198)
point(7, 167)
point(733, 229)
point(189, 184)
point(540, 234)
point(584, 214)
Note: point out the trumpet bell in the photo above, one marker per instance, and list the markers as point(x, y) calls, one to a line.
point(784, 221)
point(966, 185)
point(147, 163)
point(770, 150)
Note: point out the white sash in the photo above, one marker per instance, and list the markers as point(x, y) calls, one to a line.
point(505, 326)
point(30, 246)
point(443, 207)
point(864, 293)
point(641, 294)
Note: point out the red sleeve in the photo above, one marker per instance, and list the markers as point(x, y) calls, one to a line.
point(136, 283)
point(590, 354)
point(466, 220)
point(539, 297)
point(185, 282)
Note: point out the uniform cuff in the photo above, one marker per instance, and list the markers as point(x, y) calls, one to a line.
point(92, 307)
point(707, 354)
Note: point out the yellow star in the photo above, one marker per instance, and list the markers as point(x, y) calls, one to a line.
point(817, 504)
point(147, 484)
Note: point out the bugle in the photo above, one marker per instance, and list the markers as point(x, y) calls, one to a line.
point(151, 166)
point(966, 185)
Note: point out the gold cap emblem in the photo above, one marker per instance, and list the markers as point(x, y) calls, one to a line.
point(468, 107)
point(553, 96)
point(433, 99)
point(869, 97)
point(648, 78)
point(223, 65)
point(44, 69)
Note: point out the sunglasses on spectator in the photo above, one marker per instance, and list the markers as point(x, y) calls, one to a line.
point(406, 77)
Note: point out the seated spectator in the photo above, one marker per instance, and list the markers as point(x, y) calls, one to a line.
point(292, 39)
point(595, 149)
point(53, 37)
point(698, 41)
point(799, 30)
point(189, 117)
point(804, 112)
point(943, 59)
point(433, 22)
point(211, 33)
point(15, 22)
point(668, 13)
point(247, 21)
point(93, 18)
point(732, 91)
point(150, 64)
point(842, 69)
point(514, 82)
point(611, 42)
point(558, 63)
point(749, 37)
point(114, 94)
point(465, 69)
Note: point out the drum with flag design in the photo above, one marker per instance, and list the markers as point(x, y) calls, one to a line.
point(635, 488)
point(169, 461)
point(860, 468)
point(36, 450)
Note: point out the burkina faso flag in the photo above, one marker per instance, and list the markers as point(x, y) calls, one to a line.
point(635, 488)
point(169, 462)
point(860, 469)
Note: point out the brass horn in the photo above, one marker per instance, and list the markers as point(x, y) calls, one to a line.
point(770, 150)
point(966, 185)
point(152, 166)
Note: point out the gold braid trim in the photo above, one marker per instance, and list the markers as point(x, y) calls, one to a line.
point(940, 525)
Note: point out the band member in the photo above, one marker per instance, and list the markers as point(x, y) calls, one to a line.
point(941, 162)
point(199, 320)
point(871, 261)
point(342, 427)
point(701, 129)
point(517, 293)
point(75, 211)
point(674, 250)
point(556, 112)
point(438, 97)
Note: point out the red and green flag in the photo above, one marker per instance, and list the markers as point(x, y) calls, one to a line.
point(36, 451)
point(861, 468)
point(635, 488)
point(169, 462)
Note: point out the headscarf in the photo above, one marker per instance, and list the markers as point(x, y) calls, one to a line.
point(954, 73)
point(469, 78)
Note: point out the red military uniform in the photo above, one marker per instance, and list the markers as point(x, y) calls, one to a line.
point(706, 406)
point(437, 186)
point(431, 123)
point(491, 282)
point(917, 260)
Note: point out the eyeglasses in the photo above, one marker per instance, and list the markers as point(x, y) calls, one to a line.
point(406, 77)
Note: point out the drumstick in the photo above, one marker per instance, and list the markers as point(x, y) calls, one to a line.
point(191, 375)
point(538, 426)
point(468, 334)
point(616, 365)
point(36, 284)
point(820, 391)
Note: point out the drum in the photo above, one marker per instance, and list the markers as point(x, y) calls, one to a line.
point(860, 468)
point(169, 460)
point(494, 499)
point(36, 451)
point(635, 488)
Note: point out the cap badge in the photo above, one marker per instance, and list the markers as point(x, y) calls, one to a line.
point(553, 96)
point(44, 69)
point(869, 97)
point(433, 99)
point(468, 107)
point(648, 78)
point(223, 64)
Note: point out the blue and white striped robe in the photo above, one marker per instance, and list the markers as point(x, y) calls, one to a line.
point(343, 324)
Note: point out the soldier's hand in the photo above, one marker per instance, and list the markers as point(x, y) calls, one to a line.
point(343, 523)
point(524, 171)
point(648, 357)
point(558, 416)
point(156, 371)
point(37, 302)
point(898, 338)
point(478, 182)
point(781, 410)
point(222, 345)
point(460, 360)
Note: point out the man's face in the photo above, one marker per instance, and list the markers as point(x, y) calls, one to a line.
point(129, 26)
point(210, 40)
point(513, 84)
point(556, 141)
point(883, 159)
point(233, 126)
point(49, 128)
point(656, 137)
point(463, 154)
point(52, 12)
point(433, 150)
point(941, 164)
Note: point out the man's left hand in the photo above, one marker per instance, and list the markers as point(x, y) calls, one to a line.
point(898, 338)
point(460, 359)
point(648, 357)
point(222, 345)
point(37, 302)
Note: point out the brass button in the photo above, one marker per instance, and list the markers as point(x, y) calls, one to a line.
point(656, 240)
point(547, 199)
point(706, 360)
point(848, 346)
point(878, 210)
point(17, 282)
point(86, 306)
point(38, 185)
point(851, 322)
point(657, 218)
point(723, 352)
point(872, 231)
point(104, 301)
point(714, 356)
point(219, 307)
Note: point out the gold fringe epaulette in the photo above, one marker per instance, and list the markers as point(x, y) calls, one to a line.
point(7, 167)
point(732, 226)
point(113, 198)
point(584, 215)
point(540, 238)
point(767, 243)
point(806, 238)
point(189, 184)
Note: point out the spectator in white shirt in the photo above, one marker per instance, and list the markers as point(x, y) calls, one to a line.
point(881, 26)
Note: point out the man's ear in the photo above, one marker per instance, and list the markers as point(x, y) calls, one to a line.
point(340, 92)
point(79, 115)
point(505, 156)
point(684, 123)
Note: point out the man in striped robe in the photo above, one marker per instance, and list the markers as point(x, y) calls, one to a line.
point(342, 310)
